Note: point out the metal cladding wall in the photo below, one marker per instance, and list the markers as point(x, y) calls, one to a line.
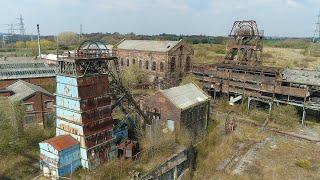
point(59, 163)
point(83, 107)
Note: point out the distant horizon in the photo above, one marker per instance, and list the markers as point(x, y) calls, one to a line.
point(51, 35)
point(278, 18)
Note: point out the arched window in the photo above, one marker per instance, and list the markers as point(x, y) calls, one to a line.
point(161, 66)
point(173, 64)
point(121, 62)
point(146, 65)
point(154, 66)
point(128, 62)
point(140, 64)
point(188, 64)
point(133, 61)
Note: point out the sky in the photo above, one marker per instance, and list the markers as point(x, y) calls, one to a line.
point(293, 18)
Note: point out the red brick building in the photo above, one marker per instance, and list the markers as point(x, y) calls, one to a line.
point(38, 102)
point(179, 107)
point(164, 60)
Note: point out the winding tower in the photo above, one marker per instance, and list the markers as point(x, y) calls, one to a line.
point(83, 102)
point(246, 45)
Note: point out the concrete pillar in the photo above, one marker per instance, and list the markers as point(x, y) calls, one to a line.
point(270, 107)
point(249, 100)
point(303, 117)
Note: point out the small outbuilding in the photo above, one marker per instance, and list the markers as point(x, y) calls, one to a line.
point(59, 156)
point(185, 107)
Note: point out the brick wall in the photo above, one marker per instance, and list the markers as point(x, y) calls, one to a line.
point(38, 102)
point(159, 64)
point(43, 81)
point(193, 119)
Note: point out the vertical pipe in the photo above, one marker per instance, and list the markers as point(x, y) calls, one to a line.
point(39, 49)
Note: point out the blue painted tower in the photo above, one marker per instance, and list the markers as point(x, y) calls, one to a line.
point(83, 103)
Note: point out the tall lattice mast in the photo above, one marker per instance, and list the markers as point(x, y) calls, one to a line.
point(316, 37)
point(21, 26)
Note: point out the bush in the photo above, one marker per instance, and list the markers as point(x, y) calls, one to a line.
point(304, 163)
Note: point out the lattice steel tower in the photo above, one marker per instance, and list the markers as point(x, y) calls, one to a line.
point(316, 36)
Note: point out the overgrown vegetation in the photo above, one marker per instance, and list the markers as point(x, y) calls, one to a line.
point(285, 115)
point(133, 76)
point(18, 146)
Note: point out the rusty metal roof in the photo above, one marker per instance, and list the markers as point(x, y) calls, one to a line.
point(148, 45)
point(62, 142)
point(186, 96)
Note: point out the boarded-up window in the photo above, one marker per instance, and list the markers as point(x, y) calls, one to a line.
point(28, 119)
point(154, 66)
point(173, 64)
point(161, 66)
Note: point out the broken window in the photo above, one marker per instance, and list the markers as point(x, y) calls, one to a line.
point(188, 64)
point(154, 66)
point(146, 64)
point(161, 66)
point(128, 62)
point(49, 104)
point(121, 62)
point(173, 64)
point(29, 107)
point(140, 64)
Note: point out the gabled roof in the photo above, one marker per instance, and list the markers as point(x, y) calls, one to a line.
point(185, 96)
point(62, 142)
point(22, 90)
point(148, 45)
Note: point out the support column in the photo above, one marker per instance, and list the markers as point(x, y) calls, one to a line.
point(270, 107)
point(175, 173)
point(303, 116)
point(249, 100)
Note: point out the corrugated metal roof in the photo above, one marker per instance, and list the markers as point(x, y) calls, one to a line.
point(186, 96)
point(62, 142)
point(302, 76)
point(16, 69)
point(22, 90)
point(147, 45)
